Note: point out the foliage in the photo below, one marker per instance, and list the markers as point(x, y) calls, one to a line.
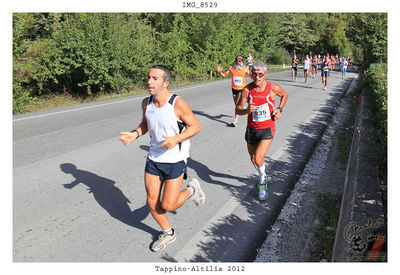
point(295, 35)
point(85, 54)
point(369, 32)
point(334, 39)
point(376, 79)
point(103, 52)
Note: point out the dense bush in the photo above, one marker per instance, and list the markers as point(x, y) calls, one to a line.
point(376, 80)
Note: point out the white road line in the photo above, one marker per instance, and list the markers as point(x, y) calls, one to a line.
point(77, 109)
point(105, 104)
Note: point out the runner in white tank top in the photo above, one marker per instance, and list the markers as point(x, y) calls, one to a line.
point(170, 123)
point(307, 63)
point(163, 121)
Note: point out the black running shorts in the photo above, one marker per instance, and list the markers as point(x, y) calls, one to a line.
point(254, 136)
point(236, 92)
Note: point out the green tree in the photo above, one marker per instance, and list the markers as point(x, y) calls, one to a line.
point(369, 32)
point(176, 51)
point(334, 39)
point(266, 44)
point(104, 52)
point(295, 35)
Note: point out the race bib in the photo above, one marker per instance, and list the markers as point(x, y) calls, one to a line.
point(237, 81)
point(262, 113)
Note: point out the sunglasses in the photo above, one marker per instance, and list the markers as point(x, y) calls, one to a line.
point(239, 59)
point(258, 74)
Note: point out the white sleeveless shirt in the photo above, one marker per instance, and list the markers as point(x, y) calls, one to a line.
point(163, 122)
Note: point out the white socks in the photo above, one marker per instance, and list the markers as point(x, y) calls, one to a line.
point(261, 172)
point(191, 190)
point(170, 231)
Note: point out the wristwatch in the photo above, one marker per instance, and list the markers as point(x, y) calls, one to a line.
point(280, 109)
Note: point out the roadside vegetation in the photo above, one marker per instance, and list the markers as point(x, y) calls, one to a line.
point(372, 36)
point(377, 89)
point(328, 211)
point(78, 57)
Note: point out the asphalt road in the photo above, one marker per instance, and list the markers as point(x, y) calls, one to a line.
point(78, 193)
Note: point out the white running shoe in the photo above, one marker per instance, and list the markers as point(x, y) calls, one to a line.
point(198, 196)
point(162, 241)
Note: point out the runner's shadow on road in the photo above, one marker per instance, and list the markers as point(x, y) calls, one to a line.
point(110, 197)
point(215, 118)
point(206, 174)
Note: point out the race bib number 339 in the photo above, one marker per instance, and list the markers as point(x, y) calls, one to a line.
point(262, 113)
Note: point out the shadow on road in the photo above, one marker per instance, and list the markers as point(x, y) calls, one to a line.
point(215, 118)
point(109, 197)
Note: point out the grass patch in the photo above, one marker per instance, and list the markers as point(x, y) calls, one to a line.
point(57, 101)
point(53, 101)
point(328, 211)
point(347, 130)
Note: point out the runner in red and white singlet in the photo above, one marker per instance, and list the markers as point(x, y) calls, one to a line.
point(262, 117)
point(260, 96)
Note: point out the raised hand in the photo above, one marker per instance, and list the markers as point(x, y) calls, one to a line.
point(127, 137)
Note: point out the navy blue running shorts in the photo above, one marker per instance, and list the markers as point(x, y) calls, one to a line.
point(166, 171)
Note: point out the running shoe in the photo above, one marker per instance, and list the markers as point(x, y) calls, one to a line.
point(263, 189)
point(162, 241)
point(198, 197)
point(262, 192)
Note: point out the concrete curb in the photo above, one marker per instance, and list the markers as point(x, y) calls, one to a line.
point(361, 213)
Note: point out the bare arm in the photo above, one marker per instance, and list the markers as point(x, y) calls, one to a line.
point(223, 74)
point(185, 114)
point(128, 137)
point(248, 72)
point(279, 91)
point(242, 101)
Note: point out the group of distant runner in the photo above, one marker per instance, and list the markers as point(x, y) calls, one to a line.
point(326, 63)
point(170, 123)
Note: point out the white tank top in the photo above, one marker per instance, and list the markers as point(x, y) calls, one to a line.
point(307, 64)
point(163, 122)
